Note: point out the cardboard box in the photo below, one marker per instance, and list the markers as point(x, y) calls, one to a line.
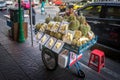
point(15, 31)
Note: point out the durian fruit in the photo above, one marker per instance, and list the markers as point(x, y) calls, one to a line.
point(90, 35)
point(79, 43)
point(82, 40)
point(42, 27)
point(58, 44)
point(52, 33)
point(56, 26)
point(74, 42)
point(68, 36)
point(37, 27)
point(65, 18)
point(51, 42)
point(58, 18)
point(63, 28)
point(85, 28)
point(78, 34)
point(74, 24)
point(71, 17)
point(82, 19)
point(43, 38)
point(89, 27)
point(50, 25)
point(48, 19)
point(58, 35)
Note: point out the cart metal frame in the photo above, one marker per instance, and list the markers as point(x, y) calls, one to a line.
point(78, 50)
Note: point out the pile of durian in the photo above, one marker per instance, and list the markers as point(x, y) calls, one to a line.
point(63, 28)
point(78, 24)
point(41, 27)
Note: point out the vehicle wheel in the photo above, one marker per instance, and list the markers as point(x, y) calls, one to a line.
point(81, 74)
point(49, 59)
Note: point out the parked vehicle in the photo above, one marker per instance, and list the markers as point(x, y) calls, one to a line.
point(35, 2)
point(76, 6)
point(58, 2)
point(9, 2)
point(104, 19)
point(25, 4)
point(3, 5)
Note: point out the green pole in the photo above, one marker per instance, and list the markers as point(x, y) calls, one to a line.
point(21, 32)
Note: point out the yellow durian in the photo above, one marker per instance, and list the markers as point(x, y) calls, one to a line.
point(51, 42)
point(43, 38)
point(58, 44)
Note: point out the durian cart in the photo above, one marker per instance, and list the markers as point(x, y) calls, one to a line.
point(62, 53)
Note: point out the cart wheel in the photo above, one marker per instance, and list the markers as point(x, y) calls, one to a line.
point(49, 59)
point(81, 74)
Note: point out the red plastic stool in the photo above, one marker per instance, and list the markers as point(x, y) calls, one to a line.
point(99, 56)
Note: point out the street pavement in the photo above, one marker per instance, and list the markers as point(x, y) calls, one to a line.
point(21, 61)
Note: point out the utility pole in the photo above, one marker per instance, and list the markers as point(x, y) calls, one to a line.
point(20, 28)
point(31, 25)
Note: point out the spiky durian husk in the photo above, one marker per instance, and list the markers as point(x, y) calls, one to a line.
point(74, 42)
point(78, 34)
point(52, 33)
point(74, 25)
point(55, 18)
point(85, 28)
point(71, 17)
point(65, 17)
point(58, 18)
point(37, 27)
point(82, 19)
point(48, 19)
point(58, 35)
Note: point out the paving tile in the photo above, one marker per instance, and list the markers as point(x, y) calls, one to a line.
point(35, 56)
point(9, 68)
point(1, 76)
point(28, 65)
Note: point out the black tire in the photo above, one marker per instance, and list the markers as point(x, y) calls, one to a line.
point(81, 74)
point(51, 61)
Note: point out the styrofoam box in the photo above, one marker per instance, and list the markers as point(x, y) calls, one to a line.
point(60, 48)
point(47, 43)
point(63, 58)
point(47, 37)
point(68, 41)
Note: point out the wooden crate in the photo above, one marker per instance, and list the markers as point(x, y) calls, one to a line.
point(15, 31)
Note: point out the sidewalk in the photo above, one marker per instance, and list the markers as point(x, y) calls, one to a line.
point(20, 61)
point(47, 9)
